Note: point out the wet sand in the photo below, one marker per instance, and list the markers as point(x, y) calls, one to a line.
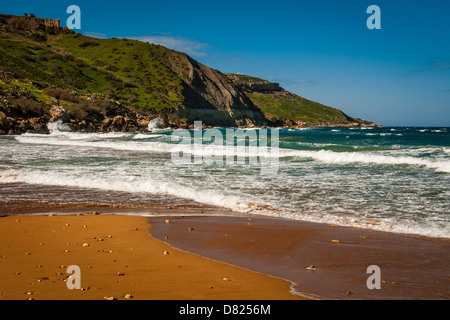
point(119, 259)
point(412, 267)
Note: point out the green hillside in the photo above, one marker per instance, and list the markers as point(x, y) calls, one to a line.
point(295, 108)
point(128, 71)
point(283, 105)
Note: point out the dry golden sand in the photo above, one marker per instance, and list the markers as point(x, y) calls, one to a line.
point(122, 258)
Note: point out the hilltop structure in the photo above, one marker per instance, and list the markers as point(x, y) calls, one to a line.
point(51, 23)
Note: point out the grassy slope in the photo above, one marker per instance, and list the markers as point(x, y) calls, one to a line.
point(295, 108)
point(124, 70)
point(287, 105)
point(149, 84)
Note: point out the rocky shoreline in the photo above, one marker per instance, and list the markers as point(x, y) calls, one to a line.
point(131, 121)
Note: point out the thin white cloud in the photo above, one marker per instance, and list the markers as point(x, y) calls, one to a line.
point(189, 46)
point(97, 35)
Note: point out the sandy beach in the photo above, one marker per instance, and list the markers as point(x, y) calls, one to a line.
point(119, 259)
point(411, 267)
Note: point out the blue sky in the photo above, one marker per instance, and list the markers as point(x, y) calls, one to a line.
point(321, 49)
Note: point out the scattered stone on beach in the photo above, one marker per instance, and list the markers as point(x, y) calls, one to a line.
point(348, 293)
point(110, 236)
point(226, 279)
point(363, 237)
point(17, 220)
point(51, 215)
point(85, 226)
point(27, 253)
point(200, 211)
point(66, 251)
point(86, 289)
point(42, 279)
point(336, 241)
point(120, 274)
point(311, 268)
point(166, 252)
point(166, 237)
point(29, 293)
point(190, 229)
point(86, 245)
point(167, 221)
point(110, 298)
point(135, 229)
point(95, 213)
point(128, 296)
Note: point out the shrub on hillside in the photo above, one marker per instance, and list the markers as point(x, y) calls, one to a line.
point(29, 107)
point(61, 94)
point(88, 43)
point(90, 110)
point(22, 23)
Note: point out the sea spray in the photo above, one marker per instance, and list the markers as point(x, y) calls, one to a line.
point(58, 126)
point(156, 123)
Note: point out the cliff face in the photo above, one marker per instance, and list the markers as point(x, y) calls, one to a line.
point(210, 97)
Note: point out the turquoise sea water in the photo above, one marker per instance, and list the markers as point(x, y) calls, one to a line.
point(394, 179)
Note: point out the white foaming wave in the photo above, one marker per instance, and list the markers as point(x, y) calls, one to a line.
point(434, 230)
point(156, 186)
point(366, 158)
point(126, 184)
point(146, 136)
point(206, 150)
point(326, 156)
point(81, 142)
point(75, 135)
point(382, 134)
